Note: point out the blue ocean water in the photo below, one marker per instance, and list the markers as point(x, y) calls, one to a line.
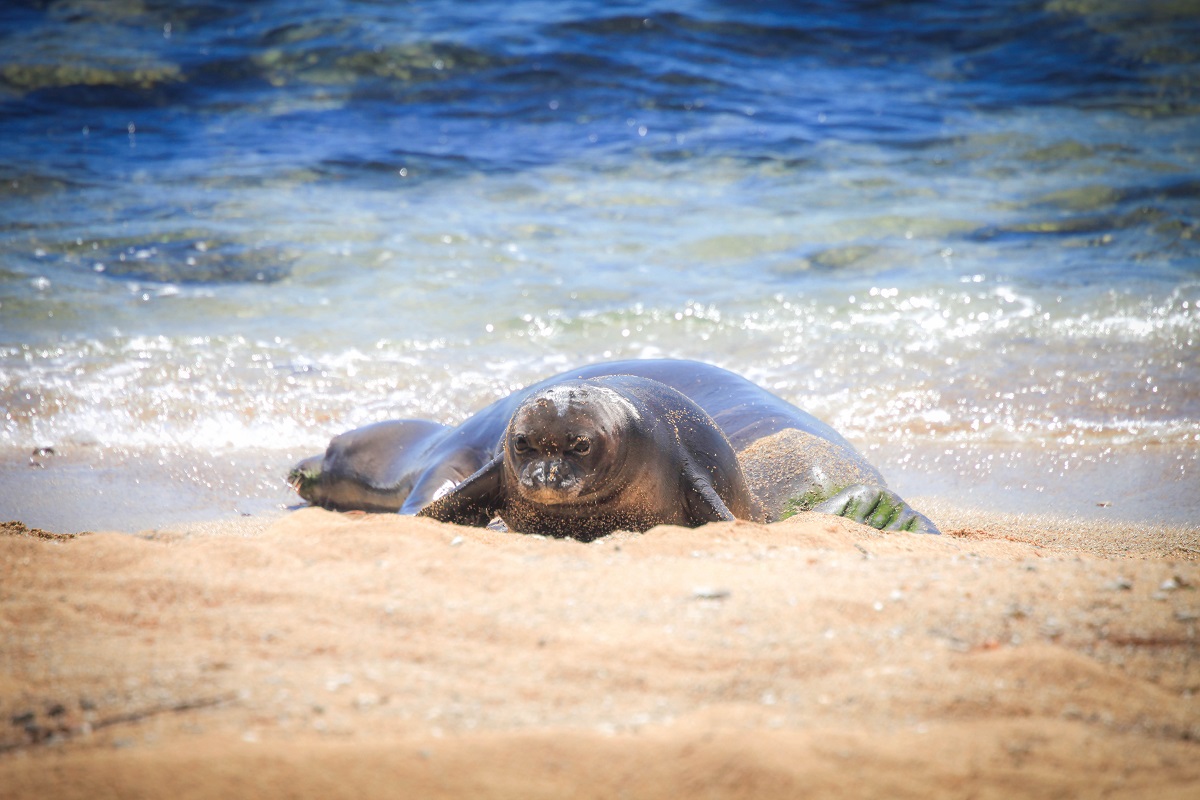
point(964, 233)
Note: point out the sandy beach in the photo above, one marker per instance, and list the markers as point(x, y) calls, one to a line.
point(346, 655)
point(964, 236)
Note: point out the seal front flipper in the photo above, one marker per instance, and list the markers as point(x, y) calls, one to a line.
point(473, 502)
point(450, 469)
point(702, 502)
point(878, 507)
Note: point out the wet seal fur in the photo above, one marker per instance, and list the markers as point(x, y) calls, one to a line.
point(618, 446)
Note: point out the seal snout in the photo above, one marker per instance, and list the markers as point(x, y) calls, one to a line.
point(550, 477)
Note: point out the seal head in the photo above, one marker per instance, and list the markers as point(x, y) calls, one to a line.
point(583, 458)
point(562, 445)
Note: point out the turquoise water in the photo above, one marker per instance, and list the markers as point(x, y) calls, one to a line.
point(965, 234)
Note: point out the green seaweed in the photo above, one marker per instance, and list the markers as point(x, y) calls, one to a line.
point(303, 479)
point(807, 501)
point(884, 513)
point(36, 77)
point(881, 513)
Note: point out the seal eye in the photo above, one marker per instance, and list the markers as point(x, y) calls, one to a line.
point(582, 446)
point(520, 444)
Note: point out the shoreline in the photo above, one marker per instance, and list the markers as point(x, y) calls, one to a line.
point(79, 487)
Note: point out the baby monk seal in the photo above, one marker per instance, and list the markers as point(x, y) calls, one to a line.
point(618, 446)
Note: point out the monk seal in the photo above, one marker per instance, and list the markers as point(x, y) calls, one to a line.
point(667, 442)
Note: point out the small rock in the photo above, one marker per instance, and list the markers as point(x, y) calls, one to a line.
point(709, 593)
point(1051, 629)
point(336, 682)
point(367, 700)
point(1121, 584)
point(1018, 611)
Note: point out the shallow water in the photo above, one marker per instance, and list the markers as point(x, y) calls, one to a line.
point(964, 234)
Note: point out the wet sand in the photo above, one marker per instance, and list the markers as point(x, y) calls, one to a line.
point(322, 654)
point(80, 487)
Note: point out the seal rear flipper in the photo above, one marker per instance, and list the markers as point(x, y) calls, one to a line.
point(702, 502)
point(473, 502)
point(878, 507)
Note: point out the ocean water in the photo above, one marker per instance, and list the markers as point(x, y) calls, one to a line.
point(966, 234)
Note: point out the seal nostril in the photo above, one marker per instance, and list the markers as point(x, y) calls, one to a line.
point(558, 475)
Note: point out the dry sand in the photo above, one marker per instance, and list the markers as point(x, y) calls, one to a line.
point(329, 655)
